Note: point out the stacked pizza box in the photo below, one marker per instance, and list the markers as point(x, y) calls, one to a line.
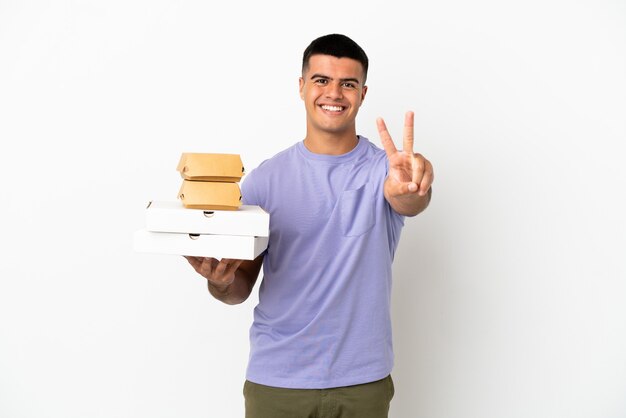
point(207, 219)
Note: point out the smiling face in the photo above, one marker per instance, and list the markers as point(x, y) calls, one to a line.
point(332, 90)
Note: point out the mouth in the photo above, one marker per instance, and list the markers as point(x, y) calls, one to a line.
point(333, 108)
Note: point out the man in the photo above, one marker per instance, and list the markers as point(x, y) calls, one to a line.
point(321, 343)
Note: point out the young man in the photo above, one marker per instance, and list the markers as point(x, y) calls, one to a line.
point(321, 342)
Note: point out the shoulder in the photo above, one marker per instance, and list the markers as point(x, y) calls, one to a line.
point(259, 177)
point(273, 163)
point(375, 157)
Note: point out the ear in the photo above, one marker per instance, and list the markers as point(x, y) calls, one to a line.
point(363, 93)
point(301, 86)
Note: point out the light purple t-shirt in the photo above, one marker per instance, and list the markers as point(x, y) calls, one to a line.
point(323, 317)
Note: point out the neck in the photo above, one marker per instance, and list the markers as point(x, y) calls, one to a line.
point(331, 144)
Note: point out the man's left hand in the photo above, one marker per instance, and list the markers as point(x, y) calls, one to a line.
point(410, 174)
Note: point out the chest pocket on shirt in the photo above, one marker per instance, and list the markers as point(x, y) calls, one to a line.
point(357, 210)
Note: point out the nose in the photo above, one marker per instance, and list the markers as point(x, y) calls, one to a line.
point(334, 91)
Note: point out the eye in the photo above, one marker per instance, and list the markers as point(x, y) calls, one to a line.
point(349, 85)
point(321, 81)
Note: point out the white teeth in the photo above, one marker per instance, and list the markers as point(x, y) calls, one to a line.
point(332, 108)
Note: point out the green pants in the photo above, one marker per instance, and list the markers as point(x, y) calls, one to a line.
point(370, 400)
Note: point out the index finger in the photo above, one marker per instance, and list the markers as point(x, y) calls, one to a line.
point(407, 143)
point(385, 138)
point(194, 261)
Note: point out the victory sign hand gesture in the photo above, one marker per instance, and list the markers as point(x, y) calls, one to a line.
point(407, 187)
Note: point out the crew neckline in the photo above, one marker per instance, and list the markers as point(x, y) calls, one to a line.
point(341, 158)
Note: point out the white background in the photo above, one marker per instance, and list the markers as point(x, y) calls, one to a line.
point(509, 291)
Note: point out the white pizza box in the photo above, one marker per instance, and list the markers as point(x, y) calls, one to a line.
point(202, 245)
point(173, 216)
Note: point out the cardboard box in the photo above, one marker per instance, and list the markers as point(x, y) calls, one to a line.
point(172, 216)
point(210, 167)
point(210, 195)
point(217, 246)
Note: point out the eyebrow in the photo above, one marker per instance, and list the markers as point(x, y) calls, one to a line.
point(354, 80)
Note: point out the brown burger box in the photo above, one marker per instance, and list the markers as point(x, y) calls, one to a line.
point(210, 195)
point(210, 167)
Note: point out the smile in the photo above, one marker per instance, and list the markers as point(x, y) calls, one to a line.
point(332, 108)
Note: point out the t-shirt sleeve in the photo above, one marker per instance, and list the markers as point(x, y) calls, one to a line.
point(249, 195)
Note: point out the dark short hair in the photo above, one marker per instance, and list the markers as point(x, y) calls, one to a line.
point(336, 45)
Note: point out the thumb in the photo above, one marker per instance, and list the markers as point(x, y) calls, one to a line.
point(396, 188)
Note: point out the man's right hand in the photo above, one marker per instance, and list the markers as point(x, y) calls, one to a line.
point(219, 273)
point(229, 280)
